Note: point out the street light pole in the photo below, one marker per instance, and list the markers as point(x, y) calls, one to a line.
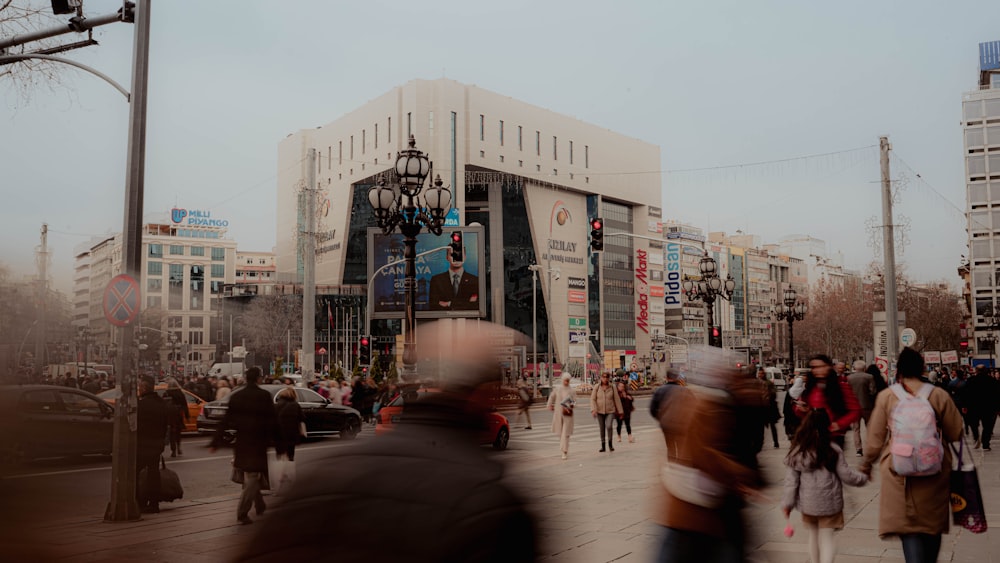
point(708, 289)
point(534, 325)
point(790, 310)
point(401, 205)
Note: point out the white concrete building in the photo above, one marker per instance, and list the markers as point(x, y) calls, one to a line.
point(511, 166)
point(981, 128)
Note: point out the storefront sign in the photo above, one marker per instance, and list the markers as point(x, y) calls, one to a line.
point(641, 291)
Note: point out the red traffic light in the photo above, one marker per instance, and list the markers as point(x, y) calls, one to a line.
point(364, 341)
point(964, 344)
point(715, 331)
point(456, 237)
point(596, 224)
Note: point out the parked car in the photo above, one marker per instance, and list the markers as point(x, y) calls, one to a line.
point(495, 433)
point(38, 421)
point(323, 418)
point(194, 403)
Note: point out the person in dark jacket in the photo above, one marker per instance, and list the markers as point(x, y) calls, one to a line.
point(251, 414)
point(628, 405)
point(290, 416)
point(151, 431)
point(446, 499)
point(177, 414)
point(980, 397)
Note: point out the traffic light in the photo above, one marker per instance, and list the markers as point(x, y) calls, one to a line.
point(597, 234)
point(456, 246)
point(716, 337)
point(365, 351)
point(964, 345)
point(65, 6)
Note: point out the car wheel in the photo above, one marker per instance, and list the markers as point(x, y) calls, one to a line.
point(351, 429)
point(503, 436)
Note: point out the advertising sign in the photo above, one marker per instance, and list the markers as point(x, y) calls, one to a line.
point(577, 336)
point(949, 357)
point(445, 289)
point(577, 322)
point(989, 55)
point(932, 357)
point(576, 296)
point(672, 291)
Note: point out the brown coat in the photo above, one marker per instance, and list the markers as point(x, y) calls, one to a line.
point(711, 449)
point(605, 400)
point(909, 505)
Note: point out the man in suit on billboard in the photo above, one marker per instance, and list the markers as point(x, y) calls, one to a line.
point(454, 289)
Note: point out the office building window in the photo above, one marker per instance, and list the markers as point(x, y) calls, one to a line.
point(376, 135)
point(586, 156)
point(154, 268)
point(329, 157)
point(175, 322)
point(482, 127)
point(538, 143)
point(340, 152)
point(388, 130)
point(363, 132)
point(218, 270)
point(351, 153)
point(409, 124)
point(571, 152)
point(154, 285)
point(197, 251)
point(555, 146)
point(156, 250)
point(176, 287)
point(154, 301)
point(196, 338)
point(176, 250)
point(218, 254)
point(501, 132)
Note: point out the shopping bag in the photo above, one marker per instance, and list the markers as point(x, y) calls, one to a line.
point(281, 471)
point(967, 508)
point(170, 483)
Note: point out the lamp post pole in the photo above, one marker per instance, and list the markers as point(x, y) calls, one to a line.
point(790, 310)
point(403, 205)
point(708, 289)
point(534, 325)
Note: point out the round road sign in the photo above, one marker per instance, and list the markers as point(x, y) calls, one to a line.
point(908, 337)
point(121, 300)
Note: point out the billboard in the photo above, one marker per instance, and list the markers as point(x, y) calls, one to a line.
point(989, 56)
point(445, 289)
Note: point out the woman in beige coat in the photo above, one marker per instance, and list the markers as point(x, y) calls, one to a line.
point(605, 406)
point(562, 424)
point(917, 509)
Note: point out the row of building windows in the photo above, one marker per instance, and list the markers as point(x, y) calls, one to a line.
point(979, 109)
point(538, 142)
point(981, 136)
point(978, 165)
point(620, 338)
point(177, 270)
point(619, 312)
point(618, 287)
point(156, 251)
point(195, 233)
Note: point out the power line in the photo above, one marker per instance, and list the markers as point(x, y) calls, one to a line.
point(766, 162)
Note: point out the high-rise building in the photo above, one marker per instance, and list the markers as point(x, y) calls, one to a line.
point(981, 128)
point(530, 177)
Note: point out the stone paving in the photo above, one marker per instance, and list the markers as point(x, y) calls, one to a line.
point(593, 507)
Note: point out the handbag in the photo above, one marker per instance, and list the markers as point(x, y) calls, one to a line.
point(691, 485)
point(170, 483)
point(967, 508)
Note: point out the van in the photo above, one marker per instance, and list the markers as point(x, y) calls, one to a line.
point(775, 376)
point(228, 369)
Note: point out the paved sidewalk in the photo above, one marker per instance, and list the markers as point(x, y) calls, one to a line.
point(592, 507)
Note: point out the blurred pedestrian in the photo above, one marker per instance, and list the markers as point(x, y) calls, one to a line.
point(823, 389)
point(151, 431)
point(771, 414)
point(563, 402)
point(917, 509)
point(704, 485)
point(524, 393)
point(814, 484)
point(665, 399)
point(290, 419)
point(446, 499)
point(251, 414)
point(605, 405)
point(177, 414)
point(863, 385)
point(628, 405)
point(345, 393)
point(981, 397)
point(222, 389)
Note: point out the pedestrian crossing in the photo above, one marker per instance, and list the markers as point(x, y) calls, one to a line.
point(582, 433)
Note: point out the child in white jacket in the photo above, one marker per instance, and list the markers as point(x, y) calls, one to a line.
point(813, 484)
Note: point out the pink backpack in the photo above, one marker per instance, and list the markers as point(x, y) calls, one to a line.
point(916, 442)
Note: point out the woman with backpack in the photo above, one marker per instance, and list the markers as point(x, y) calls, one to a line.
point(824, 389)
point(915, 499)
point(814, 484)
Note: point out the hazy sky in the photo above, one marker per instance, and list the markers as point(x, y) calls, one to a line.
point(711, 83)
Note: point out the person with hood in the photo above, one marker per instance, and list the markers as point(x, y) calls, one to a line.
point(916, 509)
point(814, 482)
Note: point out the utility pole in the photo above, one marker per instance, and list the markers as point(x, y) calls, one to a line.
point(309, 271)
point(41, 336)
point(889, 255)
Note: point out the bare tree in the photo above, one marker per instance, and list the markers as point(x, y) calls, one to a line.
point(932, 310)
point(267, 321)
point(839, 320)
point(26, 16)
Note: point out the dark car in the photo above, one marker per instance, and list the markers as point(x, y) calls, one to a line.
point(323, 418)
point(496, 428)
point(38, 421)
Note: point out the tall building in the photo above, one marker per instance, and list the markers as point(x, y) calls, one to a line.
point(531, 177)
point(186, 262)
point(981, 128)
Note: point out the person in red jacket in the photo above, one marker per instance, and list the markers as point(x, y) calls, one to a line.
point(824, 390)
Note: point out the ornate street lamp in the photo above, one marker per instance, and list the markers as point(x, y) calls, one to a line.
point(708, 289)
point(790, 310)
point(402, 205)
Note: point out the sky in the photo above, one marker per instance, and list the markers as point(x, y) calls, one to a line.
point(718, 86)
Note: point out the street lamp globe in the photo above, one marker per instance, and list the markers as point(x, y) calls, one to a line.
point(383, 198)
point(412, 166)
point(707, 265)
point(438, 198)
point(789, 297)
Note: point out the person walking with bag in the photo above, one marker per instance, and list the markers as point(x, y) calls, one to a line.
point(561, 398)
point(814, 482)
point(151, 430)
point(290, 420)
point(605, 405)
point(913, 505)
point(251, 414)
point(524, 406)
point(628, 405)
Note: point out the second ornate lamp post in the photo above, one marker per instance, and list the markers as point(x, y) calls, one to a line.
point(790, 310)
point(707, 289)
point(402, 205)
